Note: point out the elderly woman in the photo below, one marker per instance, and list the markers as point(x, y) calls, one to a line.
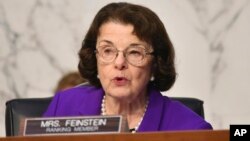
point(128, 58)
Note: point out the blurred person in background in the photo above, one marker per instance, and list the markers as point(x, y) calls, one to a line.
point(69, 80)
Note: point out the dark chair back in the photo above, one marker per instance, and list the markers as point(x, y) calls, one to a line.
point(18, 109)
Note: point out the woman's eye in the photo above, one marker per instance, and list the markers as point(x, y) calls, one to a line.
point(134, 52)
point(108, 50)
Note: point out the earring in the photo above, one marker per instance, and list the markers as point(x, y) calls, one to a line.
point(152, 78)
point(97, 76)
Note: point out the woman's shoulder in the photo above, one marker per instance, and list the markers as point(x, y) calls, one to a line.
point(73, 100)
point(81, 90)
point(182, 115)
point(178, 109)
point(78, 95)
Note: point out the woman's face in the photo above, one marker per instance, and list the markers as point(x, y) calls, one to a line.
point(119, 78)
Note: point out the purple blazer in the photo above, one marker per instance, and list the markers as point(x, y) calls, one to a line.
point(163, 114)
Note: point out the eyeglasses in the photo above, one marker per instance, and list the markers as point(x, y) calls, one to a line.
point(135, 55)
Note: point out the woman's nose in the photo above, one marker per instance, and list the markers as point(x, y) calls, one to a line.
point(120, 60)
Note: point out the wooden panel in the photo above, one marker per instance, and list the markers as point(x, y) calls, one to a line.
point(204, 135)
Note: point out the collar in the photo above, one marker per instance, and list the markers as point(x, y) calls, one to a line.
point(152, 117)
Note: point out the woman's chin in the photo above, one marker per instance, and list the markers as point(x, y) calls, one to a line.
point(120, 94)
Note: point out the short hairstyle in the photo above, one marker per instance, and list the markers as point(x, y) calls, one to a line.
point(147, 27)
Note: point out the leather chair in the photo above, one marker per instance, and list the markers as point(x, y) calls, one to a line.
point(18, 109)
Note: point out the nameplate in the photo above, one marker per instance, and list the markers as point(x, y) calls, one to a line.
point(74, 125)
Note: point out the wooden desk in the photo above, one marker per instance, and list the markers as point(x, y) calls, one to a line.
point(205, 135)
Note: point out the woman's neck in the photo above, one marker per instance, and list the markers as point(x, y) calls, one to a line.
point(133, 111)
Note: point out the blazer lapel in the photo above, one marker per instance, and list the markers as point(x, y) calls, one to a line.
point(152, 118)
point(92, 103)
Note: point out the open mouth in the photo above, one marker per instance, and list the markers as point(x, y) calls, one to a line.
point(120, 81)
